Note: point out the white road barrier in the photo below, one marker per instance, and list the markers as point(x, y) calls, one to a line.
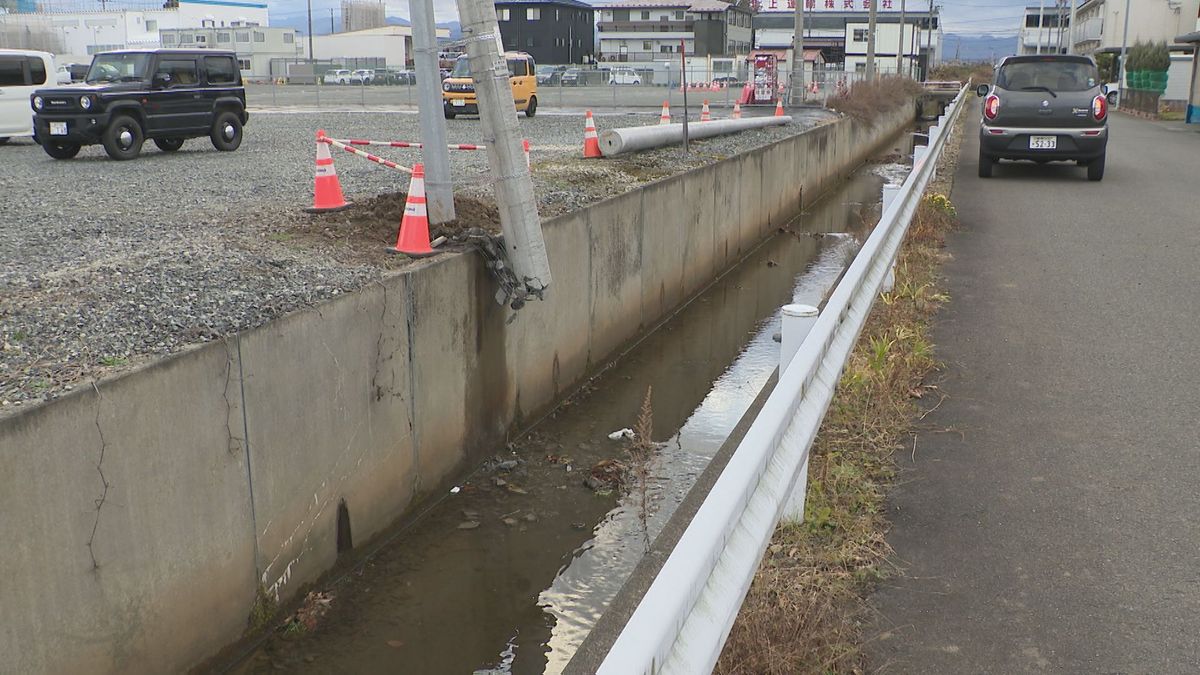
point(682, 621)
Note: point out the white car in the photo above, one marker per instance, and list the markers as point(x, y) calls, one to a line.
point(624, 76)
point(362, 76)
point(337, 77)
point(21, 72)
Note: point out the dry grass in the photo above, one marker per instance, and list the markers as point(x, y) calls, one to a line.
point(864, 101)
point(805, 609)
point(961, 72)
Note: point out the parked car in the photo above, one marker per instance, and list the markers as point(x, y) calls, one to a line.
point(165, 95)
point(337, 77)
point(21, 72)
point(62, 75)
point(624, 76)
point(1047, 108)
point(394, 76)
point(458, 90)
point(573, 77)
point(362, 76)
point(550, 75)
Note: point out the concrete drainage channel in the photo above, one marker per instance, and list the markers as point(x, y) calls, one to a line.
point(511, 573)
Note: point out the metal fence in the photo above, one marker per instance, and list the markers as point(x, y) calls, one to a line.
point(681, 623)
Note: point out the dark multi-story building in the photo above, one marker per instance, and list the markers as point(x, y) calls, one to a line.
point(551, 31)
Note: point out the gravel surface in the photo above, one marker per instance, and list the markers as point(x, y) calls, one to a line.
point(106, 264)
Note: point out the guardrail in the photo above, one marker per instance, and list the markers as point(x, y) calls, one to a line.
point(681, 623)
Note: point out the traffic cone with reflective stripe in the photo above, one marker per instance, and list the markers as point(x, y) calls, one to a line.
point(737, 111)
point(591, 142)
point(705, 115)
point(665, 117)
point(525, 146)
point(413, 239)
point(327, 191)
point(779, 107)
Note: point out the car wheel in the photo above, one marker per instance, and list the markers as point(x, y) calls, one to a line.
point(1096, 169)
point(226, 131)
point(123, 138)
point(450, 114)
point(986, 164)
point(169, 144)
point(4, 140)
point(61, 150)
point(531, 109)
point(1112, 98)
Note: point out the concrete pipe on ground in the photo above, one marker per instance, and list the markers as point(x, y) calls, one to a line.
point(630, 139)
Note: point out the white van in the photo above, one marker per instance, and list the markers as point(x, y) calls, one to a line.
point(624, 76)
point(21, 72)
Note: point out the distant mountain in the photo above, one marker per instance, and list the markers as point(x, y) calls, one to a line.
point(978, 47)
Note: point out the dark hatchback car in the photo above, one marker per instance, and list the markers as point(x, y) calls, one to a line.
point(165, 95)
point(1049, 108)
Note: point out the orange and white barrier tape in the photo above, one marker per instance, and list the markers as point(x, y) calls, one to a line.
point(406, 144)
point(365, 155)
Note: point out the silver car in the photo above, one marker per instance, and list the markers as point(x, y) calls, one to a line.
point(1046, 108)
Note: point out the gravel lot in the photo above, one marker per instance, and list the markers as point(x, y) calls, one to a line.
point(106, 264)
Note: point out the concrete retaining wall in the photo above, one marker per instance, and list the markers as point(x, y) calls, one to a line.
point(141, 516)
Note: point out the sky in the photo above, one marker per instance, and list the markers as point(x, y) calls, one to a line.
point(972, 17)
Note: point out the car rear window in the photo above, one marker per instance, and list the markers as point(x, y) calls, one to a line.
point(1053, 74)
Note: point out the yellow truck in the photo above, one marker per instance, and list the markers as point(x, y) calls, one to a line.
point(458, 90)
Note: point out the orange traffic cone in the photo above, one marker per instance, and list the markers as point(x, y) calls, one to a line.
point(327, 191)
point(737, 110)
point(591, 142)
point(665, 117)
point(779, 108)
point(413, 239)
point(705, 115)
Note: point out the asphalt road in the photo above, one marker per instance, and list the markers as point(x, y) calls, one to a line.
point(1047, 520)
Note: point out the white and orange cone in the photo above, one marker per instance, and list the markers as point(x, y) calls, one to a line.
point(591, 142)
point(737, 110)
point(779, 107)
point(327, 190)
point(413, 238)
point(665, 117)
point(525, 146)
point(705, 115)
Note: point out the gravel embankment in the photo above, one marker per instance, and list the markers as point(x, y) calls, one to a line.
point(107, 263)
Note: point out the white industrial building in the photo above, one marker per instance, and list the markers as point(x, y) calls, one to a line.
point(391, 43)
point(1045, 30)
point(76, 35)
point(256, 46)
point(1100, 24)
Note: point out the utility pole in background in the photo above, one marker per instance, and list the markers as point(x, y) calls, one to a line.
point(796, 81)
point(1124, 48)
point(524, 246)
point(311, 58)
point(929, 44)
point(439, 191)
point(871, 41)
point(1071, 29)
point(1041, 23)
point(331, 28)
point(900, 48)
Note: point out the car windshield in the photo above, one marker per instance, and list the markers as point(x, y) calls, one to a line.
point(118, 68)
point(1052, 75)
point(462, 67)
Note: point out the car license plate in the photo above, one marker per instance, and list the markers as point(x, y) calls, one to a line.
point(458, 102)
point(1043, 142)
point(58, 128)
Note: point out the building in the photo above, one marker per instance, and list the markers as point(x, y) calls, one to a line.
point(653, 30)
point(390, 45)
point(1193, 101)
point(551, 31)
point(256, 46)
point(839, 30)
point(362, 14)
point(1045, 30)
point(1100, 24)
point(76, 35)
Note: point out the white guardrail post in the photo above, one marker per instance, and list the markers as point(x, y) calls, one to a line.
point(681, 622)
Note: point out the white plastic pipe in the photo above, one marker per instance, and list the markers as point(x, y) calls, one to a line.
point(630, 139)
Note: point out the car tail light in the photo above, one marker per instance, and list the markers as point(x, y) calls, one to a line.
point(1099, 108)
point(991, 107)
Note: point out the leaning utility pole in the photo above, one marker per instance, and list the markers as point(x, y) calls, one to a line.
point(871, 42)
point(796, 81)
point(311, 58)
point(439, 191)
point(524, 247)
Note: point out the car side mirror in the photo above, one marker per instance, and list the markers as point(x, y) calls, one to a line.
point(982, 90)
point(161, 80)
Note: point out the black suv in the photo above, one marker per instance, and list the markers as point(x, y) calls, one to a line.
point(166, 95)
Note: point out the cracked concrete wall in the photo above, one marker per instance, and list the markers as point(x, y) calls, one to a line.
point(189, 498)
